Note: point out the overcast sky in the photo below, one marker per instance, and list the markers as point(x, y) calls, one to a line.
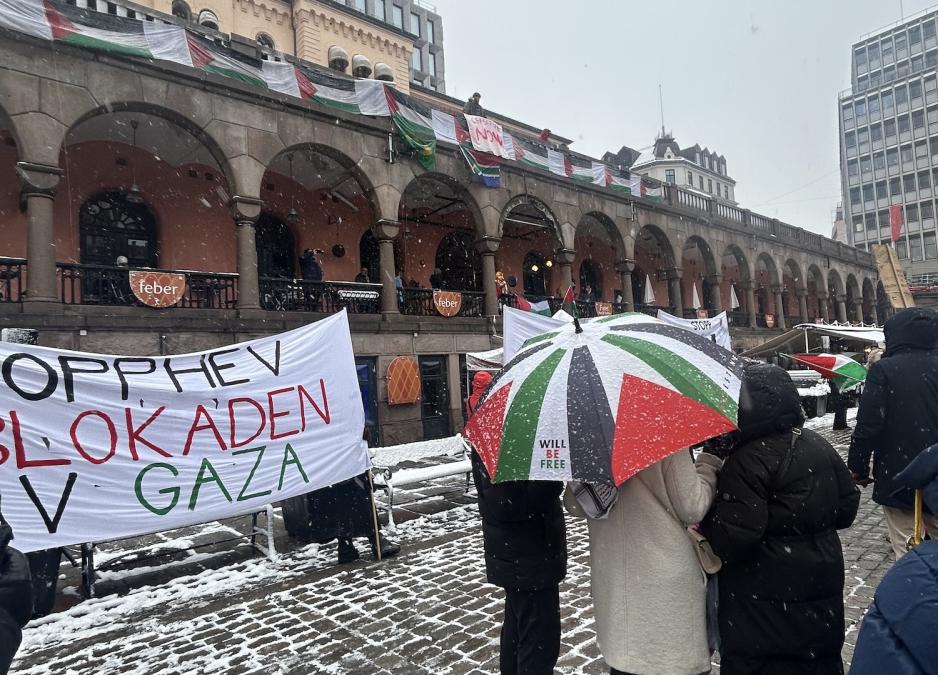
point(755, 81)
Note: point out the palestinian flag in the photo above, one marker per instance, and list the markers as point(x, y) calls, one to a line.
point(414, 124)
point(531, 155)
point(559, 164)
point(843, 371)
point(332, 90)
point(94, 30)
point(287, 79)
point(540, 307)
point(642, 187)
point(619, 184)
point(209, 58)
point(569, 302)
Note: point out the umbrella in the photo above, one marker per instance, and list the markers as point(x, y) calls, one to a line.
point(649, 297)
point(602, 403)
point(695, 302)
point(841, 370)
point(734, 301)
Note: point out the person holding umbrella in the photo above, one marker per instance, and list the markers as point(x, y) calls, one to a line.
point(613, 404)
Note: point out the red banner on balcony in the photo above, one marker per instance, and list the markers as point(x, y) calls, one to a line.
point(158, 289)
point(895, 221)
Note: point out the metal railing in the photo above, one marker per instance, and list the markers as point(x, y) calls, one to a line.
point(419, 302)
point(106, 285)
point(12, 271)
point(323, 297)
point(737, 318)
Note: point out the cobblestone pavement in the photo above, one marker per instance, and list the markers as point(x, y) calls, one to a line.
point(426, 611)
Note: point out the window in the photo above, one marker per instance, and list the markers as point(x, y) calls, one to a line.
point(431, 63)
point(264, 40)
point(873, 106)
point(871, 221)
point(931, 250)
point(669, 176)
point(380, 10)
point(397, 16)
point(892, 157)
point(863, 83)
point(876, 79)
point(859, 108)
point(181, 10)
point(876, 135)
point(709, 186)
point(726, 192)
point(887, 51)
point(895, 188)
point(431, 33)
point(931, 59)
point(927, 212)
point(911, 214)
point(415, 24)
point(858, 223)
point(905, 153)
point(868, 196)
point(918, 120)
point(879, 161)
point(853, 169)
point(915, 93)
point(690, 179)
point(883, 219)
point(416, 59)
point(889, 128)
point(889, 102)
point(863, 137)
point(902, 69)
point(866, 165)
point(902, 97)
point(859, 57)
point(928, 30)
point(924, 180)
point(933, 142)
point(854, 196)
point(872, 55)
point(915, 37)
point(700, 181)
point(850, 139)
point(931, 86)
point(901, 251)
point(889, 74)
point(902, 47)
point(904, 124)
point(207, 19)
point(915, 245)
point(908, 183)
point(921, 150)
point(434, 405)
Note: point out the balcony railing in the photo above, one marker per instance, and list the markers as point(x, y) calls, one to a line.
point(323, 297)
point(419, 302)
point(737, 318)
point(105, 285)
point(12, 271)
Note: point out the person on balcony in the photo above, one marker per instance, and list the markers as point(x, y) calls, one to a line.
point(362, 276)
point(473, 107)
point(436, 279)
point(310, 267)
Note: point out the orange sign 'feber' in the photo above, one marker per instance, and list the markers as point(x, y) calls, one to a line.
point(447, 303)
point(158, 289)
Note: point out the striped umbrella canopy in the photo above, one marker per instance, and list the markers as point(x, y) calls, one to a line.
point(602, 404)
point(843, 371)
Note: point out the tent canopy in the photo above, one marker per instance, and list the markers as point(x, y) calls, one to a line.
point(798, 335)
point(490, 360)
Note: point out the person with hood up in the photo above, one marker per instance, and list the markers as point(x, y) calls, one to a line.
point(898, 631)
point(16, 598)
point(525, 540)
point(898, 418)
point(782, 495)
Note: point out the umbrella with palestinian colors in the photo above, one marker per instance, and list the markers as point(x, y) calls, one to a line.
point(843, 371)
point(602, 402)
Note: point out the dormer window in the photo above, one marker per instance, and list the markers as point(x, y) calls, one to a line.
point(208, 19)
point(338, 59)
point(181, 10)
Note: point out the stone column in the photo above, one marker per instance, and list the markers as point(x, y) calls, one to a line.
point(750, 289)
point(564, 258)
point(245, 211)
point(841, 308)
point(822, 305)
point(716, 294)
point(675, 297)
point(779, 307)
point(624, 268)
point(487, 246)
point(39, 182)
point(874, 314)
point(803, 304)
point(386, 232)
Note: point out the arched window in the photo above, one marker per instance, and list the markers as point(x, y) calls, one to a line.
point(208, 19)
point(591, 276)
point(459, 263)
point(275, 248)
point(110, 226)
point(181, 10)
point(369, 256)
point(264, 40)
point(535, 282)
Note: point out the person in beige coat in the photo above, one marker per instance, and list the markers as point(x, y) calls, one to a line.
point(649, 591)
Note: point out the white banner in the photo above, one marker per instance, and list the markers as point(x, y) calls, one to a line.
point(716, 328)
point(520, 326)
point(97, 447)
point(487, 136)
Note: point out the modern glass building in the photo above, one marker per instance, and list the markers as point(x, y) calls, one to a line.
point(889, 140)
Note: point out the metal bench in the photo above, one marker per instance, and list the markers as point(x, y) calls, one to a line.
point(387, 476)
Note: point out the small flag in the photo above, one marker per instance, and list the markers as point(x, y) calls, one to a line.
point(896, 221)
point(540, 307)
point(569, 303)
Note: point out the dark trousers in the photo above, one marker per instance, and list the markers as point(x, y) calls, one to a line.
point(530, 641)
point(10, 636)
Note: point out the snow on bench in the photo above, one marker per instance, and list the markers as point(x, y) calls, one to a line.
point(388, 475)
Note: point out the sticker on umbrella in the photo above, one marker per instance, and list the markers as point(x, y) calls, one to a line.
point(602, 404)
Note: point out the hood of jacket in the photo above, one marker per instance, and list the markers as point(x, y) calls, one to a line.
point(914, 329)
point(768, 403)
point(480, 382)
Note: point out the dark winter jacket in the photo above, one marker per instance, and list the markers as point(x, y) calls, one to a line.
point(16, 599)
point(310, 268)
point(898, 416)
point(898, 633)
point(774, 524)
point(523, 531)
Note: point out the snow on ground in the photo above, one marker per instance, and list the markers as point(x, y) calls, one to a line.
point(394, 455)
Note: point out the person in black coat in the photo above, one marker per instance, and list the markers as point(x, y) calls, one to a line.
point(525, 541)
point(898, 632)
point(16, 598)
point(310, 269)
point(898, 417)
point(781, 497)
